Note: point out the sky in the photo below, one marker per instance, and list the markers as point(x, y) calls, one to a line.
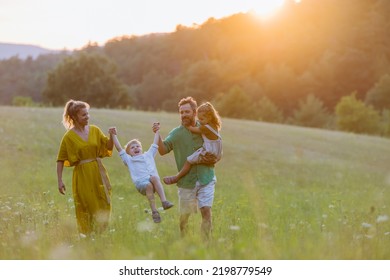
point(72, 24)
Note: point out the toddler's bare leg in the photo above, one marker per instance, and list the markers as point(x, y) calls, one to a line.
point(150, 197)
point(158, 187)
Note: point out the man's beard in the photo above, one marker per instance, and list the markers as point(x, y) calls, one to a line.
point(186, 121)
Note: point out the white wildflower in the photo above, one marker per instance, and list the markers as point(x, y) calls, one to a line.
point(366, 225)
point(382, 218)
point(234, 227)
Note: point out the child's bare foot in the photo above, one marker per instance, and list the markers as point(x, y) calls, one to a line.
point(169, 180)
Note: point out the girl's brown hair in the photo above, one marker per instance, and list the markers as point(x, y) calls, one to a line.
point(208, 109)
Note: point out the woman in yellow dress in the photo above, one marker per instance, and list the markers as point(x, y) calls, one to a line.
point(82, 147)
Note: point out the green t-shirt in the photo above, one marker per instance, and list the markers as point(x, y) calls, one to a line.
point(184, 143)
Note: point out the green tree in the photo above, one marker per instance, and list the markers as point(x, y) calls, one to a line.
point(23, 101)
point(379, 95)
point(88, 77)
point(311, 113)
point(267, 111)
point(354, 115)
point(234, 104)
point(201, 79)
point(154, 90)
point(281, 85)
point(386, 123)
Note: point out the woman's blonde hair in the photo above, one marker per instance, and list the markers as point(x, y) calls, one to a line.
point(208, 109)
point(71, 109)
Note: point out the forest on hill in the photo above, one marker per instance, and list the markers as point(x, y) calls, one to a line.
point(312, 64)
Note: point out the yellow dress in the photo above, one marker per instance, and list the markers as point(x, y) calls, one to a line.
point(91, 196)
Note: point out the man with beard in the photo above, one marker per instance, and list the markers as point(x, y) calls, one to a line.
point(196, 189)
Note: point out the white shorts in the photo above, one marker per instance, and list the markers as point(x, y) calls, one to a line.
point(141, 184)
point(200, 196)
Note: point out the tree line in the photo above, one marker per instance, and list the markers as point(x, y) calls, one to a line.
point(316, 63)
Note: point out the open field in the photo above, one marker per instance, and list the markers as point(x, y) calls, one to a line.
point(283, 192)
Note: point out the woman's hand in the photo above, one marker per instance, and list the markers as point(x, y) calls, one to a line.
point(61, 188)
point(112, 131)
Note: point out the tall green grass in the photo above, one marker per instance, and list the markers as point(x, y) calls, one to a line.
point(283, 192)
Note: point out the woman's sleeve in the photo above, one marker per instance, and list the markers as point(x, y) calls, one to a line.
point(63, 153)
point(103, 139)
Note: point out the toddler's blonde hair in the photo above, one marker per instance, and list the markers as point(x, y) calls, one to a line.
point(127, 146)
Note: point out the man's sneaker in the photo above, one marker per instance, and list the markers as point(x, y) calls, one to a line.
point(167, 204)
point(156, 217)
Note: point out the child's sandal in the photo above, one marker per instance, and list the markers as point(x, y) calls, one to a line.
point(156, 217)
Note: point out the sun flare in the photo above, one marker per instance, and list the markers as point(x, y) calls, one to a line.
point(266, 8)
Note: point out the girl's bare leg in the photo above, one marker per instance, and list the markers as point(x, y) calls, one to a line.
point(173, 179)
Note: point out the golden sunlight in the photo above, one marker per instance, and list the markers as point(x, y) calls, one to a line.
point(266, 8)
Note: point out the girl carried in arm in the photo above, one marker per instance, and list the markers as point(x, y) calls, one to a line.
point(210, 126)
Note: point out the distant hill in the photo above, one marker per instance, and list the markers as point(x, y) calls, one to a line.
point(8, 50)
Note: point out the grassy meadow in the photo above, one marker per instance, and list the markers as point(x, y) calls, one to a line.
point(283, 192)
